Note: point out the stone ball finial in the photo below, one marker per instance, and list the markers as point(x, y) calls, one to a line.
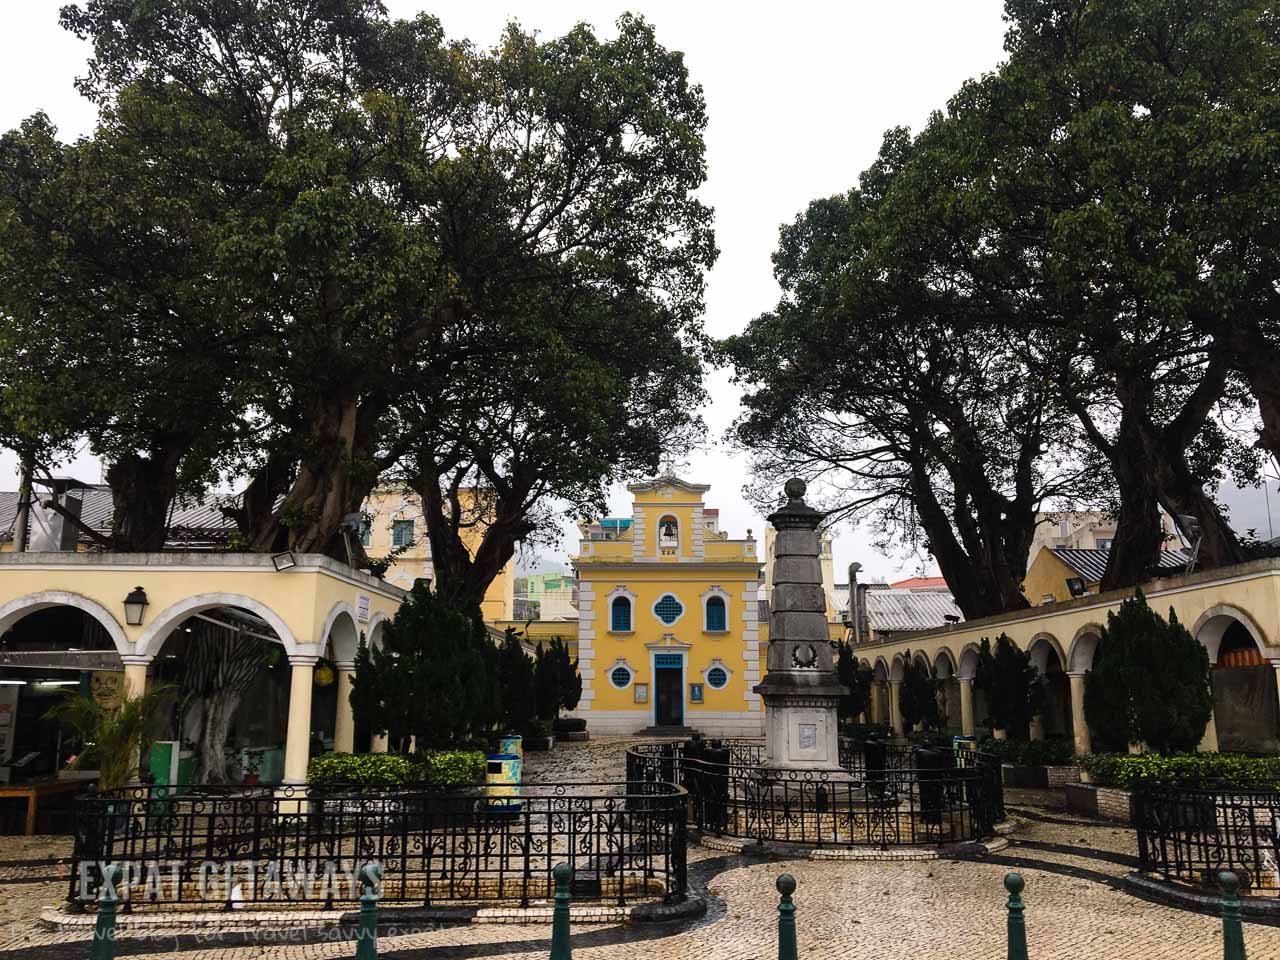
point(1014, 883)
point(1229, 881)
point(794, 488)
point(786, 884)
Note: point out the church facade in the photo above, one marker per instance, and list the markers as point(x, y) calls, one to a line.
point(669, 629)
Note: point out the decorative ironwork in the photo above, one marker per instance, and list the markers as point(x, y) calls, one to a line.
point(1189, 835)
point(883, 796)
point(291, 844)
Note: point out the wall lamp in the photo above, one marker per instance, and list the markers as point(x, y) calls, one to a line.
point(283, 561)
point(135, 606)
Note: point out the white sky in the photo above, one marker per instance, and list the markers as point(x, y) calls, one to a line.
point(798, 97)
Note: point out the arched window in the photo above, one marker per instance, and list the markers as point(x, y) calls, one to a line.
point(717, 677)
point(717, 615)
point(668, 609)
point(620, 676)
point(668, 535)
point(620, 615)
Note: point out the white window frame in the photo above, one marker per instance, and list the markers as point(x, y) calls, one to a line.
point(631, 674)
point(684, 608)
point(619, 591)
point(717, 591)
point(714, 664)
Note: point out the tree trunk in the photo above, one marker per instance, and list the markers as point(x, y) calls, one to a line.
point(219, 708)
point(254, 516)
point(1258, 360)
point(142, 491)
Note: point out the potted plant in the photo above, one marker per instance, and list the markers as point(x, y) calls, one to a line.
point(112, 733)
point(251, 763)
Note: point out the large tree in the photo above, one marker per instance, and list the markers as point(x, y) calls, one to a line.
point(880, 373)
point(401, 196)
point(113, 325)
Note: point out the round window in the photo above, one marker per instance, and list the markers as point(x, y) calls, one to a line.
point(668, 609)
point(620, 677)
point(717, 677)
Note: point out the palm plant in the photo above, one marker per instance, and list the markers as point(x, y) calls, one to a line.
point(112, 734)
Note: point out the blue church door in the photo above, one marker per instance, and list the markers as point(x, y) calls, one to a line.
point(668, 683)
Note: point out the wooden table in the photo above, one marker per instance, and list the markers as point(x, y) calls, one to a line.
point(36, 789)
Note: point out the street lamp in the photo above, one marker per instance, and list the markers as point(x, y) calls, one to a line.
point(135, 605)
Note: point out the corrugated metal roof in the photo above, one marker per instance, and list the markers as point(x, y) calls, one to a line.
point(909, 610)
point(1092, 564)
point(190, 521)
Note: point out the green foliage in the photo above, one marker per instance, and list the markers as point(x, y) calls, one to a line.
point(569, 724)
point(434, 678)
point(1051, 752)
point(570, 679)
point(918, 695)
point(1188, 770)
point(446, 767)
point(1150, 682)
point(1011, 683)
point(866, 731)
point(857, 680)
point(546, 685)
point(359, 769)
point(449, 767)
point(113, 736)
point(516, 680)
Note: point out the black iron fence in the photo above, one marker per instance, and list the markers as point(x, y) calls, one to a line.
point(885, 795)
point(263, 845)
point(1189, 835)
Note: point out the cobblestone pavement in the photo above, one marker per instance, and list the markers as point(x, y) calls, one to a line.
point(930, 910)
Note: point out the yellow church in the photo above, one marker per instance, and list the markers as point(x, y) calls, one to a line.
point(669, 628)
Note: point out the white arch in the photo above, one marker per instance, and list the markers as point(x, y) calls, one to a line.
point(968, 666)
point(344, 638)
point(898, 668)
point(1213, 623)
point(15, 610)
point(944, 655)
point(154, 636)
point(1039, 649)
point(373, 632)
point(1083, 646)
point(880, 670)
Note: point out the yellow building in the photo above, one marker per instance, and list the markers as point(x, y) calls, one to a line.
point(1058, 571)
point(393, 520)
point(668, 631)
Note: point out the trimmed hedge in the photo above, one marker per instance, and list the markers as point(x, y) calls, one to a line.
point(866, 731)
point(1187, 770)
point(569, 724)
point(360, 769)
point(1052, 752)
point(444, 767)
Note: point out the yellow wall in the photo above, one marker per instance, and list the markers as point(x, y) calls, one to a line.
point(387, 505)
point(635, 563)
point(301, 602)
point(1048, 576)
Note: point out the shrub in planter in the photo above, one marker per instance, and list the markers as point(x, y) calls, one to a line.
point(539, 736)
point(1233, 770)
point(453, 768)
point(358, 769)
point(866, 731)
point(1053, 752)
point(569, 725)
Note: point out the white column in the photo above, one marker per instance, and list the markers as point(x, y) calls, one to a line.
point(1079, 726)
point(344, 723)
point(135, 675)
point(1036, 728)
point(895, 708)
point(966, 706)
point(297, 745)
point(1209, 742)
point(379, 744)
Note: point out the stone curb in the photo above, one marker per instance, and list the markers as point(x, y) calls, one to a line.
point(58, 920)
point(748, 848)
point(1264, 910)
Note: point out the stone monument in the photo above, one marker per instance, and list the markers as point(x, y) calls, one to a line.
point(800, 689)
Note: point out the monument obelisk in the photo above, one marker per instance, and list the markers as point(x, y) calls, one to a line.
point(800, 689)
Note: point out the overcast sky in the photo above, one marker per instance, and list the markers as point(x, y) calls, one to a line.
point(798, 95)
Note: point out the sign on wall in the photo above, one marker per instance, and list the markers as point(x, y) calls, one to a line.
point(362, 608)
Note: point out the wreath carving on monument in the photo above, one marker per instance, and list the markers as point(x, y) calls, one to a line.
point(804, 656)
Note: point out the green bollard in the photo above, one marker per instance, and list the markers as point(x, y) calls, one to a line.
point(1232, 931)
point(787, 918)
point(1017, 924)
point(561, 949)
point(104, 928)
point(367, 933)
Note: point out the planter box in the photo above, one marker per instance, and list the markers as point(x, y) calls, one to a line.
point(1039, 776)
point(1105, 803)
point(575, 736)
point(539, 744)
